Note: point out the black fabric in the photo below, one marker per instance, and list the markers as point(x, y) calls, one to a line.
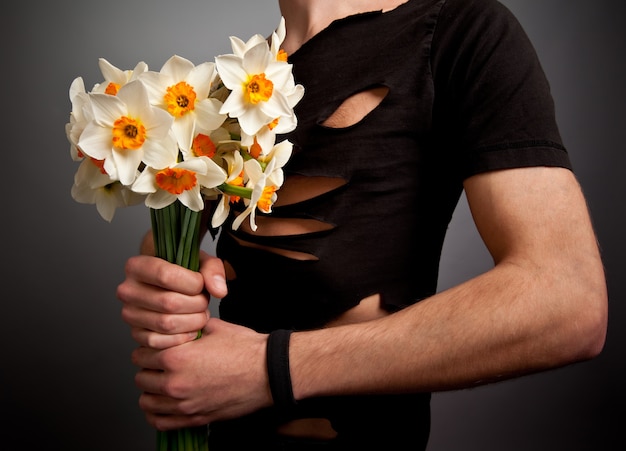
point(396, 422)
point(466, 94)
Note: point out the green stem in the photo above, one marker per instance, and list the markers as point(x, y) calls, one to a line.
point(233, 190)
point(182, 253)
point(176, 232)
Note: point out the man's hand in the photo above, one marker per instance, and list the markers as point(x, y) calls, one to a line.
point(222, 375)
point(188, 381)
point(166, 304)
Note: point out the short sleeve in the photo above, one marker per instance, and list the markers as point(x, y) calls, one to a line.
point(493, 106)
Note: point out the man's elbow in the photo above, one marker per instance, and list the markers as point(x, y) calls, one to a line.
point(591, 315)
point(597, 327)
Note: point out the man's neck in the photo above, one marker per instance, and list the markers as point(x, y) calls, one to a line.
point(305, 18)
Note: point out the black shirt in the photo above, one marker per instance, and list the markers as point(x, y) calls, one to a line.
point(466, 94)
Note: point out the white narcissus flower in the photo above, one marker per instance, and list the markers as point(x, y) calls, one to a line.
point(280, 154)
point(260, 143)
point(235, 177)
point(80, 116)
point(240, 47)
point(115, 78)
point(206, 142)
point(182, 181)
point(127, 131)
point(278, 36)
point(92, 185)
point(259, 86)
point(183, 90)
point(264, 184)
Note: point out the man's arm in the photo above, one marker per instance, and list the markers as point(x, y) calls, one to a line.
point(543, 305)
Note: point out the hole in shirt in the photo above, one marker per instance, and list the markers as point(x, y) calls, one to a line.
point(229, 271)
point(294, 255)
point(310, 428)
point(356, 107)
point(296, 189)
point(299, 188)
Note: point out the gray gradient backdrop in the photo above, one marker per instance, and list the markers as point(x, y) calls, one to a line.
point(66, 381)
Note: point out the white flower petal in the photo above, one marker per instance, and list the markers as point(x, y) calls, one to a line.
point(83, 194)
point(198, 164)
point(222, 210)
point(160, 154)
point(160, 199)
point(110, 168)
point(177, 68)
point(131, 197)
point(90, 175)
point(208, 116)
point(213, 175)
point(158, 123)
point(254, 170)
point(139, 69)
point(295, 95)
point(253, 119)
point(256, 60)
point(77, 87)
point(280, 74)
point(278, 36)
point(183, 129)
point(242, 216)
point(111, 73)
point(234, 105)
point(234, 161)
point(201, 77)
point(230, 68)
point(127, 162)
point(276, 106)
point(238, 46)
point(281, 153)
point(145, 182)
point(107, 201)
point(286, 124)
point(96, 141)
point(135, 97)
point(155, 83)
point(192, 199)
point(107, 109)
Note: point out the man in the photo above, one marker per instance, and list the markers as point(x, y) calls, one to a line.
point(542, 305)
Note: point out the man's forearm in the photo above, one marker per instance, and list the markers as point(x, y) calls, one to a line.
point(506, 322)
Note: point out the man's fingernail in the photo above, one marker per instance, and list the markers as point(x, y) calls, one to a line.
point(220, 283)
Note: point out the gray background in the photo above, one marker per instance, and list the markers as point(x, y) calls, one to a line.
point(66, 381)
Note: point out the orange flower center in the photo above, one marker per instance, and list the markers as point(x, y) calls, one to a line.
point(265, 201)
point(258, 89)
point(180, 99)
point(237, 181)
point(128, 133)
point(176, 180)
point(112, 89)
point(203, 146)
point(282, 56)
point(272, 125)
point(255, 149)
point(99, 164)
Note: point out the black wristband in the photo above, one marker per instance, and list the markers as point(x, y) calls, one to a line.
point(278, 372)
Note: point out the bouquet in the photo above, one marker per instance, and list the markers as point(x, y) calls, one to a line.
point(181, 138)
